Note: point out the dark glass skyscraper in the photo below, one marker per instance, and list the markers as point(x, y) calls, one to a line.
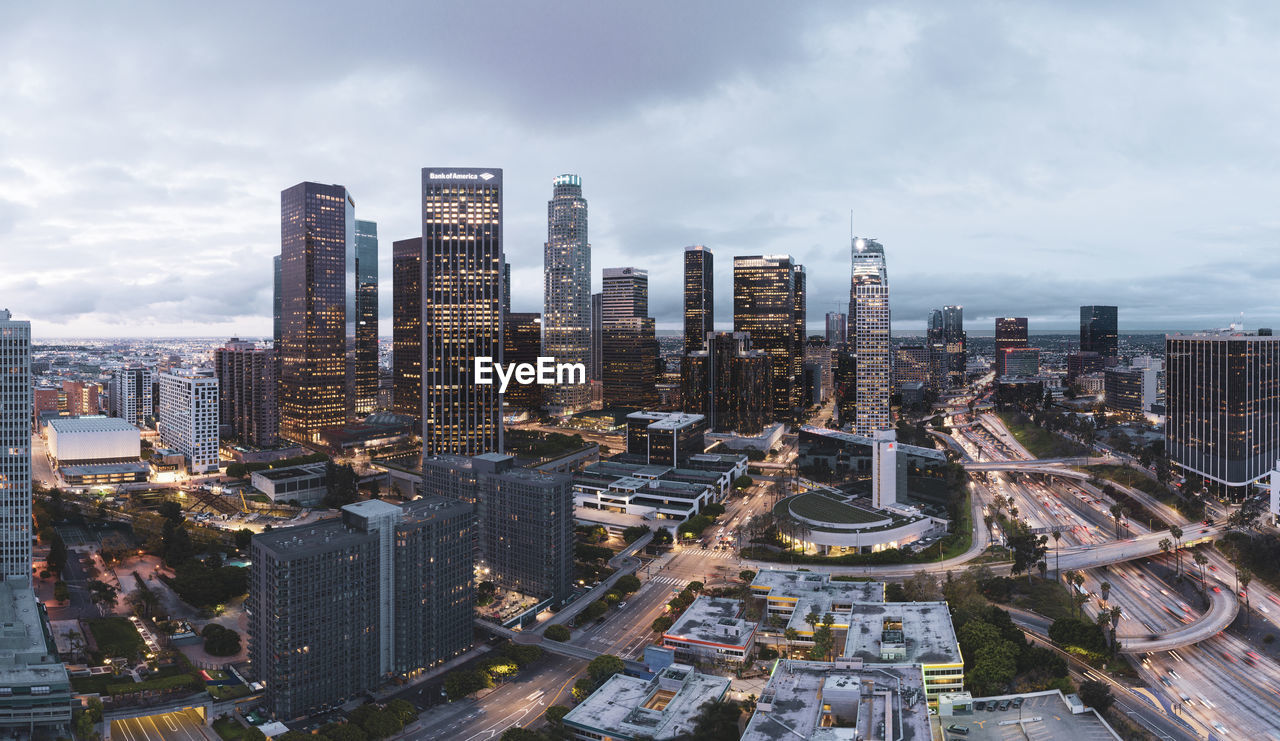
point(699, 296)
point(366, 370)
point(318, 307)
point(277, 298)
point(728, 383)
point(1011, 334)
point(521, 343)
point(629, 343)
point(837, 328)
point(462, 292)
point(406, 327)
point(1099, 333)
point(566, 297)
point(765, 305)
point(597, 334)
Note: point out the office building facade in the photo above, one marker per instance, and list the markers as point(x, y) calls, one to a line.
point(130, 394)
point(1099, 332)
point(949, 343)
point(522, 342)
point(339, 606)
point(318, 305)
point(597, 335)
point(524, 519)
point(699, 296)
point(629, 341)
point(461, 308)
point(837, 328)
point(1011, 334)
point(728, 383)
point(406, 327)
point(15, 449)
point(190, 416)
point(566, 296)
point(1222, 393)
point(869, 326)
point(247, 387)
point(81, 398)
point(910, 365)
point(277, 301)
point(366, 353)
point(1020, 362)
point(666, 438)
point(766, 305)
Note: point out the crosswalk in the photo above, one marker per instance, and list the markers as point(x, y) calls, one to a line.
point(669, 580)
point(707, 553)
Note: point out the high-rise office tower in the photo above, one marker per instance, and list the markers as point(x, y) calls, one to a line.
point(629, 342)
point(765, 306)
point(869, 326)
point(566, 297)
point(910, 365)
point(461, 308)
point(801, 317)
point(1099, 331)
point(406, 327)
point(337, 606)
point(15, 449)
point(318, 305)
point(129, 394)
point(837, 328)
point(1011, 334)
point(247, 387)
point(524, 519)
point(1222, 398)
point(189, 416)
point(522, 338)
point(277, 301)
point(956, 341)
point(366, 367)
point(728, 383)
point(81, 398)
point(597, 334)
point(699, 296)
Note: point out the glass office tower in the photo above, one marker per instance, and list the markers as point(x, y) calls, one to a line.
point(699, 296)
point(566, 303)
point(366, 370)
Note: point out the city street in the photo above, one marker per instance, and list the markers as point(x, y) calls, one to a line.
point(185, 725)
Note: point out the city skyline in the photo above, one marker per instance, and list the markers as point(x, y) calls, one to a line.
point(1172, 202)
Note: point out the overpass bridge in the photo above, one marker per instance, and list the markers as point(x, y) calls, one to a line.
point(1223, 607)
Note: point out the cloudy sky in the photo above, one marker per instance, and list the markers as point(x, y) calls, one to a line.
point(1016, 158)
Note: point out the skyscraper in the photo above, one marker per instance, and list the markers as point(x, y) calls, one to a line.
point(336, 606)
point(956, 342)
point(15, 449)
point(629, 342)
point(366, 367)
point(597, 334)
point(247, 387)
point(728, 383)
point(406, 327)
point(837, 328)
point(1099, 327)
point(522, 336)
point(524, 519)
point(869, 320)
point(699, 296)
point(1222, 398)
point(277, 298)
point(461, 308)
point(1011, 334)
point(318, 305)
point(566, 302)
point(129, 394)
point(765, 306)
point(189, 417)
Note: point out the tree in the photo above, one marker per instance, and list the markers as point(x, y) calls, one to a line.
point(1243, 578)
point(253, 733)
point(1116, 512)
point(342, 732)
point(1105, 589)
point(102, 594)
point(556, 713)
point(604, 666)
point(922, 587)
point(1028, 549)
point(1096, 695)
point(243, 537)
point(583, 688)
point(557, 633)
point(61, 592)
point(1057, 553)
point(717, 720)
point(220, 641)
point(1176, 532)
point(341, 485)
point(742, 482)
point(143, 601)
point(381, 724)
point(516, 733)
point(404, 710)
point(627, 583)
point(1166, 545)
point(1113, 616)
point(57, 559)
point(1200, 560)
point(662, 623)
point(634, 533)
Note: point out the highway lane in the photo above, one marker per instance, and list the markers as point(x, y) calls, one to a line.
point(185, 725)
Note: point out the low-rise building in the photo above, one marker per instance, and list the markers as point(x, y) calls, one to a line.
point(305, 483)
point(666, 438)
point(35, 690)
point(839, 701)
point(908, 634)
point(628, 708)
point(654, 495)
point(78, 441)
point(1048, 714)
point(711, 629)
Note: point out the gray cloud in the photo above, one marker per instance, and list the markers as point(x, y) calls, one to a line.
point(1015, 158)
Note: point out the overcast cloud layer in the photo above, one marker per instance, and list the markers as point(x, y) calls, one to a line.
point(1016, 158)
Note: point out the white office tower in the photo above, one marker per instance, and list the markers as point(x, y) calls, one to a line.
point(15, 448)
point(566, 302)
point(189, 417)
point(129, 394)
point(884, 468)
point(869, 335)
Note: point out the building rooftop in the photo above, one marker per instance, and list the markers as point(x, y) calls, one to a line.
point(1044, 715)
point(795, 584)
point(839, 701)
point(716, 621)
point(307, 540)
point(922, 631)
point(95, 423)
point(26, 658)
point(104, 469)
point(291, 472)
point(660, 708)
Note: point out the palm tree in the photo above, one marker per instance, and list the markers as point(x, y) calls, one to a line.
point(1243, 577)
point(1057, 555)
point(1105, 588)
point(1200, 560)
point(1165, 546)
point(1176, 532)
point(1116, 512)
point(1079, 600)
point(1114, 613)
